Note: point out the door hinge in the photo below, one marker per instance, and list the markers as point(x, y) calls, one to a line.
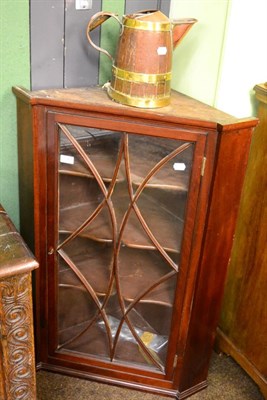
point(175, 361)
point(203, 166)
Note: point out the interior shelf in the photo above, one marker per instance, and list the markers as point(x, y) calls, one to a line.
point(166, 226)
point(102, 149)
point(93, 260)
point(104, 166)
point(136, 270)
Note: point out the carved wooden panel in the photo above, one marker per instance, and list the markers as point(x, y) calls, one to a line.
point(17, 338)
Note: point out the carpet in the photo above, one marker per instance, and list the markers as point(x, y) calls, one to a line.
point(226, 381)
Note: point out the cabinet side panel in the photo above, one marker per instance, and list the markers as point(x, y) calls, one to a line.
point(233, 150)
point(29, 212)
point(25, 162)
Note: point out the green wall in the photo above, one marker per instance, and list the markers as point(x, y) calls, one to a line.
point(109, 35)
point(223, 57)
point(14, 70)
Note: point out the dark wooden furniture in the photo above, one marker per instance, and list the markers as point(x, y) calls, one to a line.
point(242, 330)
point(133, 213)
point(17, 365)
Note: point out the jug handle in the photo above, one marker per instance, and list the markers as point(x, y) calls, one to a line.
point(94, 22)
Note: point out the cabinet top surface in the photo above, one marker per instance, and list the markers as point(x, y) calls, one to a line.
point(15, 257)
point(182, 109)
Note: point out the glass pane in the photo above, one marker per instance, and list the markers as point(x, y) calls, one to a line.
point(121, 207)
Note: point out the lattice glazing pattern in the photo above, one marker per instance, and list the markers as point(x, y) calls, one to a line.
point(122, 200)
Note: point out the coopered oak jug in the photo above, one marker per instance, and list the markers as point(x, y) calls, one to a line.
point(142, 68)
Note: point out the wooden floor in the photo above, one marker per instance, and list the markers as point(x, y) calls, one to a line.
point(227, 381)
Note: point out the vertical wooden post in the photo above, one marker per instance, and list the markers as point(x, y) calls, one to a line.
point(17, 365)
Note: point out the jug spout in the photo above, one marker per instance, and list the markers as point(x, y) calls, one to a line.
point(180, 29)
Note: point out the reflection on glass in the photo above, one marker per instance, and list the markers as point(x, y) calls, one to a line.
point(121, 207)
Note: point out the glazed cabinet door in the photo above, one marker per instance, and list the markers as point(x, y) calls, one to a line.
point(122, 209)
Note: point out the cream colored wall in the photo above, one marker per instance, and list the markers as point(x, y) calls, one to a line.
point(224, 55)
point(197, 59)
point(244, 61)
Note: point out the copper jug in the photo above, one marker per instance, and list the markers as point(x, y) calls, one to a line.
point(142, 68)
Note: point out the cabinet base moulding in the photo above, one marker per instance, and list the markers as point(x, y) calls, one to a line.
point(122, 383)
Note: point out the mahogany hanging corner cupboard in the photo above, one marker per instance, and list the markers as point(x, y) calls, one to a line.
point(131, 215)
